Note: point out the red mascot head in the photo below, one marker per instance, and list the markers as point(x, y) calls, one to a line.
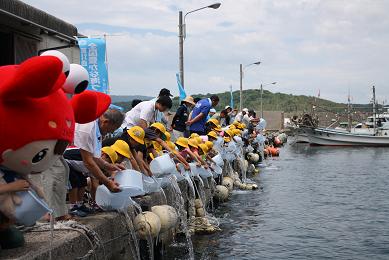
point(36, 118)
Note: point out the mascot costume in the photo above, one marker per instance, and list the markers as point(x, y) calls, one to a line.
point(37, 122)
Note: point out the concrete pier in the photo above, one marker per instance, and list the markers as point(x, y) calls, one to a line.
point(110, 227)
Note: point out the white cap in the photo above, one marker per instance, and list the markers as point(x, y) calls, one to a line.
point(227, 107)
point(245, 110)
point(212, 110)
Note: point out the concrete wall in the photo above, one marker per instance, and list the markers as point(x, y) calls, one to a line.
point(111, 228)
point(274, 119)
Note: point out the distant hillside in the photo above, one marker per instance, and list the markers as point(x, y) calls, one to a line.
point(252, 100)
point(275, 101)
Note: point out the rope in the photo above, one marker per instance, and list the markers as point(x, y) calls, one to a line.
point(86, 232)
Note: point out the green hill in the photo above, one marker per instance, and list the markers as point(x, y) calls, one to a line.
point(274, 101)
point(271, 102)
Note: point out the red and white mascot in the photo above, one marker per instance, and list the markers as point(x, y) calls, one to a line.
point(37, 122)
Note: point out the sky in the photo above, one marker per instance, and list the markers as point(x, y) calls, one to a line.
point(334, 46)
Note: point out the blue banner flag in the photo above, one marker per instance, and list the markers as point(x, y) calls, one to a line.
point(231, 98)
point(92, 58)
point(180, 88)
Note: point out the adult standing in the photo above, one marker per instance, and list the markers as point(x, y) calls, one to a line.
point(181, 116)
point(240, 115)
point(160, 117)
point(199, 114)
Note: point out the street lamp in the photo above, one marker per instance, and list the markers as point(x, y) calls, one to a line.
point(273, 83)
point(241, 81)
point(182, 36)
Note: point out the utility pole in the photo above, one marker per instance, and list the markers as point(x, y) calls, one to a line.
point(261, 101)
point(241, 87)
point(181, 47)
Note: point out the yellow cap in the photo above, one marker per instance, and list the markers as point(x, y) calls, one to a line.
point(212, 134)
point(182, 141)
point(209, 144)
point(218, 128)
point(227, 139)
point(199, 140)
point(171, 145)
point(194, 135)
point(236, 132)
point(213, 121)
point(160, 128)
point(203, 148)
point(192, 142)
point(243, 125)
point(122, 148)
point(229, 133)
point(157, 147)
point(137, 133)
point(232, 127)
point(236, 123)
point(168, 136)
point(111, 153)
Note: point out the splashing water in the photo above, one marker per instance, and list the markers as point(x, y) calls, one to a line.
point(131, 229)
point(180, 207)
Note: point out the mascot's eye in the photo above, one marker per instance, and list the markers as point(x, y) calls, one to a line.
point(39, 156)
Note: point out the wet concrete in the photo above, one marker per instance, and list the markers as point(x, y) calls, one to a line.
point(110, 227)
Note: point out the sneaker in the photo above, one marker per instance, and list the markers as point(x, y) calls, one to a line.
point(86, 209)
point(75, 211)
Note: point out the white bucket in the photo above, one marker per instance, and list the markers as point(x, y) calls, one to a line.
point(131, 182)
point(150, 184)
point(112, 201)
point(31, 209)
point(162, 165)
point(194, 170)
point(218, 160)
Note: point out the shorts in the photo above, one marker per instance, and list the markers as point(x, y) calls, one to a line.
point(77, 179)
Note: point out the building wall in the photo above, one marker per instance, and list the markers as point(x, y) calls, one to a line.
point(73, 53)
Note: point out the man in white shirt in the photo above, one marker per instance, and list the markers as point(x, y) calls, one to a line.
point(85, 157)
point(240, 115)
point(146, 112)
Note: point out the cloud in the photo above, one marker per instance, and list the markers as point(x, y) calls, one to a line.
point(331, 45)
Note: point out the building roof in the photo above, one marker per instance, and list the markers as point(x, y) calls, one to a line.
point(28, 13)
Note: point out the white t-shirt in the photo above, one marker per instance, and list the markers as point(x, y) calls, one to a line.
point(246, 119)
point(239, 117)
point(87, 137)
point(144, 110)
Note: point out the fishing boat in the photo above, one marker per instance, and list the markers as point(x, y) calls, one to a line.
point(374, 132)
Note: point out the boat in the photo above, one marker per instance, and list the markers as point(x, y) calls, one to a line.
point(332, 137)
point(374, 132)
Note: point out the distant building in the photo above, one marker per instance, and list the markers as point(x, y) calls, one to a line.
point(26, 31)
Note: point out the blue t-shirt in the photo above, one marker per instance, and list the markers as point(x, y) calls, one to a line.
point(203, 106)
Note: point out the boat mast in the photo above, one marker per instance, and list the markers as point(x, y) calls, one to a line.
point(374, 111)
point(349, 121)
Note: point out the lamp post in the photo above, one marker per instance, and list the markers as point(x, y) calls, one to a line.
point(182, 36)
point(273, 83)
point(241, 71)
